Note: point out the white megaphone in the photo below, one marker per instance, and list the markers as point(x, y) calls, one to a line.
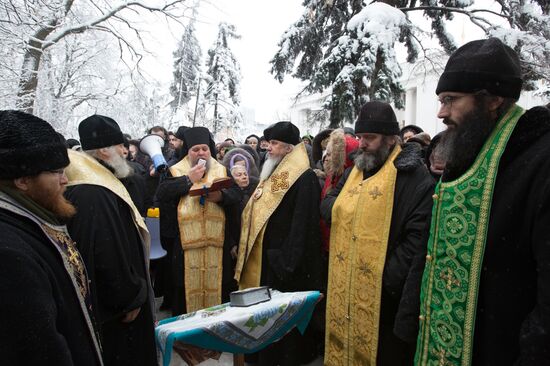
point(152, 145)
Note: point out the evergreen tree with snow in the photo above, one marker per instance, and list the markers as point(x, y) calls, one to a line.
point(348, 47)
point(187, 64)
point(222, 92)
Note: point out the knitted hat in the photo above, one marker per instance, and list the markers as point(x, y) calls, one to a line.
point(98, 131)
point(283, 131)
point(483, 64)
point(377, 117)
point(28, 146)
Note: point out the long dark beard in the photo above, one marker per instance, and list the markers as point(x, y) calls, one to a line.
point(461, 145)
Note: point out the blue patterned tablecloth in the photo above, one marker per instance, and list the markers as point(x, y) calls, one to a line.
point(238, 329)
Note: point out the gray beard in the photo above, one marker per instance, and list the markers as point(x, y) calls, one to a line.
point(270, 164)
point(368, 161)
point(120, 166)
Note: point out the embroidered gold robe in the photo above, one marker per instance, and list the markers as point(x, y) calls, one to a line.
point(263, 203)
point(201, 235)
point(361, 220)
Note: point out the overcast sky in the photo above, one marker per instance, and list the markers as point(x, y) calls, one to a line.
point(261, 24)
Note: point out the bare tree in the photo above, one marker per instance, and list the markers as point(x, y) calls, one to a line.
point(31, 29)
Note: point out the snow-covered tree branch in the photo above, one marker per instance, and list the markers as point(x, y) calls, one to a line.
point(29, 30)
point(348, 46)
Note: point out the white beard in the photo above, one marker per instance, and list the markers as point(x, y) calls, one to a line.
point(269, 166)
point(120, 166)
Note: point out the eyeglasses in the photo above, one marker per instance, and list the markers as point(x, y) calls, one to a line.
point(447, 101)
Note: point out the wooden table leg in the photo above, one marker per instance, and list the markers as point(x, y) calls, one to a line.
point(238, 359)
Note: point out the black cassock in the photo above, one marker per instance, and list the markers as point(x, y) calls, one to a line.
point(41, 320)
point(110, 245)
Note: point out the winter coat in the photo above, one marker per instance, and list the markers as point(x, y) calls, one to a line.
point(111, 247)
point(42, 322)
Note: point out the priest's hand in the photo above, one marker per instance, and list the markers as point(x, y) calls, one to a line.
point(234, 252)
point(196, 173)
point(131, 316)
point(214, 196)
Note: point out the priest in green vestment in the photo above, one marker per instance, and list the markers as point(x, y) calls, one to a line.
point(485, 296)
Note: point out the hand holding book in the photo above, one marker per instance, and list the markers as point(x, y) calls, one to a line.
point(199, 189)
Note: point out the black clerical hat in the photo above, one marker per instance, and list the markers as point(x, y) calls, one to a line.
point(283, 131)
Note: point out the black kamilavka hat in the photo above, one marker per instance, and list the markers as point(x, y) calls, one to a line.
point(99, 131)
point(197, 136)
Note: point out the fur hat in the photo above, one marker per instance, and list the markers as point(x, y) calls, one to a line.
point(422, 138)
point(377, 117)
point(29, 146)
point(98, 131)
point(254, 153)
point(317, 145)
point(485, 64)
point(341, 146)
point(237, 154)
point(284, 131)
point(414, 128)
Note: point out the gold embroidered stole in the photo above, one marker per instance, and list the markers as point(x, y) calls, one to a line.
point(361, 220)
point(84, 169)
point(259, 209)
point(202, 229)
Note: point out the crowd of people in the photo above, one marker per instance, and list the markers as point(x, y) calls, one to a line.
point(428, 250)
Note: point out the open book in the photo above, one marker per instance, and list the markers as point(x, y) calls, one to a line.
point(198, 189)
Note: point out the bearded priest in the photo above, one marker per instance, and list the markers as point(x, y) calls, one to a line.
point(280, 237)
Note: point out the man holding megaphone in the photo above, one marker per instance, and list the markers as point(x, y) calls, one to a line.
point(202, 261)
point(152, 145)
